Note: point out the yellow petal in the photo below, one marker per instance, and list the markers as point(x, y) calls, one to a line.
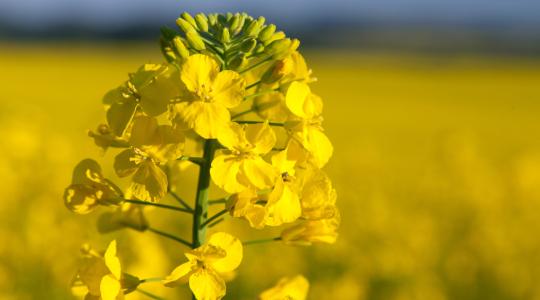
point(158, 92)
point(110, 288)
point(80, 198)
point(283, 164)
point(206, 118)
point(224, 172)
point(233, 249)
point(198, 70)
point(111, 260)
point(296, 97)
point(126, 163)
point(257, 173)
point(290, 288)
point(206, 284)
point(231, 136)
point(179, 275)
point(262, 136)
point(318, 195)
point(120, 114)
point(271, 106)
point(143, 131)
point(92, 270)
point(87, 171)
point(283, 205)
point(149, 183)
point(228, 89)
point(319, 146)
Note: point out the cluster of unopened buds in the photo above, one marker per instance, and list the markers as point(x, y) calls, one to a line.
point(232, 97)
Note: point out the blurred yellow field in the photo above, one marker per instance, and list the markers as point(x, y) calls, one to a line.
point(436, 166)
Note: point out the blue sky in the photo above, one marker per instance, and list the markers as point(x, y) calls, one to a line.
point(106, 13)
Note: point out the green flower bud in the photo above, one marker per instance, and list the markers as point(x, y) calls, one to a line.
point(276, 72)
point(186, 16)
point(253, 29)
point(212, 19)
point(195, 40)
point(261, 21)
point(166, 50)
point(184, 25)
point(225, 35)
point(278, 48)
point(248, 45)
point(267, 32)
point(202, 22)
point(238, 61)
point(180, 47)
point(259, 48)
point(236, 23)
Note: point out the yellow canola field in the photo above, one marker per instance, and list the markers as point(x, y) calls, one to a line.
point(436, 166)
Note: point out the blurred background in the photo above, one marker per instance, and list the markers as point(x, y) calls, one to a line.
point(432, 107)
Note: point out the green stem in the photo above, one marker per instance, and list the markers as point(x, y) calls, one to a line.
point(260, 122)
point(261, 241)
point(263, 92)
point(214, 217)
point(201, 202)
point(256, 65)
point(217, 201)
point(256, 83)
point(169, 236)
point(195, 160)
point(242, 113)
point(180, 200)
point(146, 280)
point(216, 222)
point(171, 207)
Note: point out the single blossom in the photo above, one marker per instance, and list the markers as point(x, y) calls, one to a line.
point(207, 265)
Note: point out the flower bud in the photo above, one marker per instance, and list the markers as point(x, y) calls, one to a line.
point(166, 50)
point(195, 40)
point(225, 35)
point(184, 25)
point(238, 61)
point(277, 71)
point(294, 45)
point(180, 47)
point(253, 29)
point(267, 32)
point(202, 22)
point(237, 23)
point(279, 48)
point(259, 48)
point(212, 19)
point(186, 16)
point(248, 45)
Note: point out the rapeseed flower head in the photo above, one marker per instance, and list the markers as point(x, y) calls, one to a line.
point(207, 265)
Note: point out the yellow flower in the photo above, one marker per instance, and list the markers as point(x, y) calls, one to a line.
point(151, 88)
point(208, 95)
point(288, 288)
point(306, 127)
point(89, 188)
point(310, 231)
point(101, 277)
point(318, 197)
point(152, 144)
point(206, 266)
point(244, 205)
point(240, 166)
point(283, 202)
